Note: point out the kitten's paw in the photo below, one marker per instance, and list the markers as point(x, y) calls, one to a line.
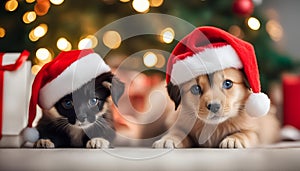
point(233, 142)
point(97, 143)
point(170, 142)
point(44, 143)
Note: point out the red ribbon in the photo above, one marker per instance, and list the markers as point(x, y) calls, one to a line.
point(11, 67)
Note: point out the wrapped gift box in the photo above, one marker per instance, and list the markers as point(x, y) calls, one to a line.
point(291, 100)
point(15, 86)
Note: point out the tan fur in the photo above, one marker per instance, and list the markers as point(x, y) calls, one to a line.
point(234, 129)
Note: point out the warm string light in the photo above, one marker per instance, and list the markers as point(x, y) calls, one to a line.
point(2, 32)
point(56, 2)
point(275, 30)
point(149, 59)
point(124, 0)
point(141, 5)
point(161, 61)
point(29, 17)
point(156, 3)
point(63, 44)
point(167, 35)
point(253, 23)
point(89, 41)
point(112, 39)
point(30, 1)
point(43, 54)
point(236, 31)
point(11, 5)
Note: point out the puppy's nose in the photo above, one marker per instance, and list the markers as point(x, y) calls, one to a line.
point(214, 107)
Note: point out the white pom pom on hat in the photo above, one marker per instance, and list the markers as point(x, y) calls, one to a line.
point(209, 49)
point(66, 73)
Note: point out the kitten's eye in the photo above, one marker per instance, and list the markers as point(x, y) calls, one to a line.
point(227, 84)
point(67, 104)
point(196, 90)
point(93, 101)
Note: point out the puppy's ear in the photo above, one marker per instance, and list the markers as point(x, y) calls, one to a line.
point(116, 88)
point(174, 93)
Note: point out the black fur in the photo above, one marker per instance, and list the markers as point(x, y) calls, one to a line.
point(174, 93)
point(79, 108)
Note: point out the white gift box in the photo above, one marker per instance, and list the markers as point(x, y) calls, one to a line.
point(15, 80)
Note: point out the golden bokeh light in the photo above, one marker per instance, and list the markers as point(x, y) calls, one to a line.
point(43, 54)
point(149, 59)
point(11, 5)
point(35, 69)
point(56, 2)
point(32, 37)
point(167, 35)
point(30, 1)
point(161, 61)
point(253, 23)
point(29, 17)
point(124, 0)
point(275, 30)
point(63, 44)
point(40, 30)
point(156, 3)
point(236, 31)
point(140, 5)
point(112, 39)
point(2, 32)
point(88, 42)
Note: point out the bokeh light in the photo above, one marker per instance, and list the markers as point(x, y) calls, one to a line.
point(253, 23)
point(56, 2)
point(32, 37)
point(275, 30)
point(35, 69)
point(40, 30)
point(167, 35)
point(2, 32)
point(161, 61)
point(29, 17)
point(30, 1)
point(63, 44)
point(236, 31)
point(11, 5)
point(42, 54)
point(88, 42)
point(156, 3)
point(112, 39)
point(124, 0)
point(150, 59)
point(140, 5)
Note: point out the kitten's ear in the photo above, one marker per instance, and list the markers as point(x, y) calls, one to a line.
point(174, 93)
point(116, 88)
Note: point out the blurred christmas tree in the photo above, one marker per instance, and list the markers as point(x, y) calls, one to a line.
point(46, 27)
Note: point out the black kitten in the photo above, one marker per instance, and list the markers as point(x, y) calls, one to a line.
point(83, 117)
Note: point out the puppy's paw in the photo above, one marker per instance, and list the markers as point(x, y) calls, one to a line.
point(233, 142)
point(97, 143)
point(44, 143)
point(167, 143)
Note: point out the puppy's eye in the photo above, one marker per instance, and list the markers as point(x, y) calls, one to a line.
point(93, 102)
point(227, 84)
point(196, 90)
point(67, 104)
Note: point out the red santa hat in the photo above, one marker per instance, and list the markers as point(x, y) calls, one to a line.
point(66, 73)
point(209, 49)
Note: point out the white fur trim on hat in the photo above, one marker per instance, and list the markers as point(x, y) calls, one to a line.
point(30, 134)
point(257, 104)
point(208, 61)
point(72, 78)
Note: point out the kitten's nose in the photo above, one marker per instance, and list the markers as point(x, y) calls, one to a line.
point(214, 107)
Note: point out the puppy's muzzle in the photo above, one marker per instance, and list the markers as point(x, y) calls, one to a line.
point(213, 107)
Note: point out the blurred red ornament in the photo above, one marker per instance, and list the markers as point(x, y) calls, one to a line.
point(41, 7)
point(243, 7)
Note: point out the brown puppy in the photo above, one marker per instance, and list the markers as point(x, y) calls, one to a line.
point(212, 114)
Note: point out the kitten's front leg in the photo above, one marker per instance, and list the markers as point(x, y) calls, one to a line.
point(44, 143)
point(97, 143)
point(242, 139)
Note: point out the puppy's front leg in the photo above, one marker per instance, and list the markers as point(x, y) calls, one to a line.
point(174, 139)
point(242, 139)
